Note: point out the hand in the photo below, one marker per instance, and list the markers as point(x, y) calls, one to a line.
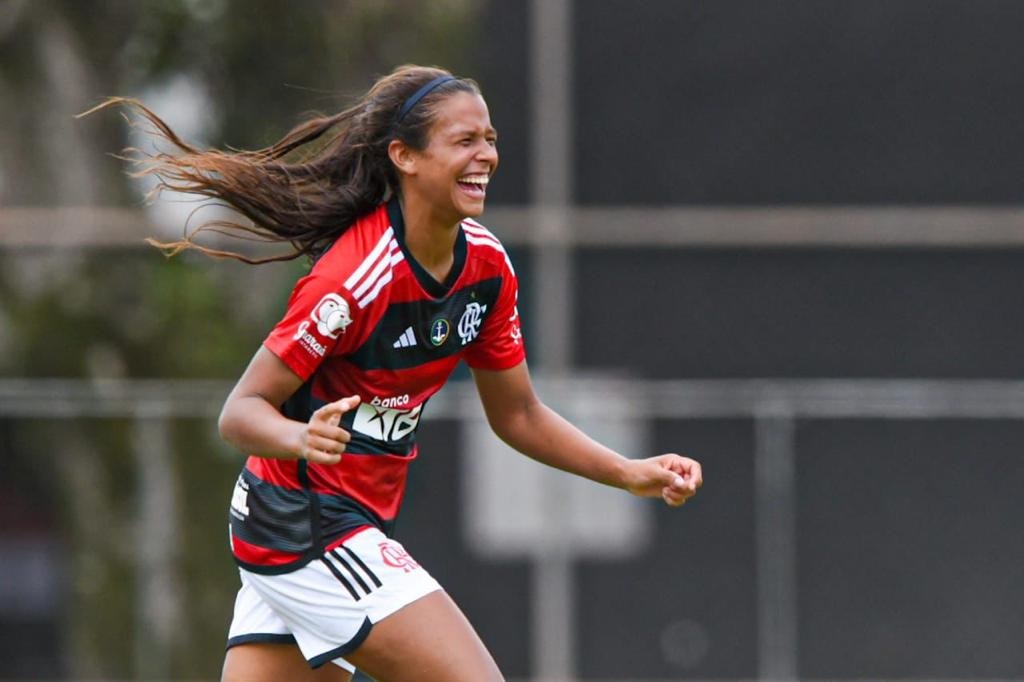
point(673, 478)
point(322, 440)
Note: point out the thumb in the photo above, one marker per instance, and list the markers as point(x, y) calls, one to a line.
point(671, 479)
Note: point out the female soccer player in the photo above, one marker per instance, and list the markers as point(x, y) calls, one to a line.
point(405, 284)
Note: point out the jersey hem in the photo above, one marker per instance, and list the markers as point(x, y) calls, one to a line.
point(305, 558)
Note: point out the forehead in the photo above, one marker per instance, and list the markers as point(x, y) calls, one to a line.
point(460, 112)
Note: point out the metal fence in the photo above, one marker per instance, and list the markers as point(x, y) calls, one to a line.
point(773, 406)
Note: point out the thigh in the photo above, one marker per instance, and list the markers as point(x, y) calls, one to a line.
point(264, 662)
point(256, 623)
point(428, 640)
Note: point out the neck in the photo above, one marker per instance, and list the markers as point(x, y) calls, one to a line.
point(429, 238)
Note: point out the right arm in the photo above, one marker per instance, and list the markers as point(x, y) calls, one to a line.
point(251, 419)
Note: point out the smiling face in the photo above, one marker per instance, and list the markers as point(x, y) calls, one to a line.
point(451, 174)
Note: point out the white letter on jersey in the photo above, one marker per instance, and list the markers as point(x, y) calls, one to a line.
point(240, 499)
point(517, 332)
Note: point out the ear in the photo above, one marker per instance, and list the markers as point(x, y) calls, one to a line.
point(403, 157)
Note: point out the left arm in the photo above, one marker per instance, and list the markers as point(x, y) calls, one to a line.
point(519, 418)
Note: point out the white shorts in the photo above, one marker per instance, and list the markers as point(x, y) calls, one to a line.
point(328, 606)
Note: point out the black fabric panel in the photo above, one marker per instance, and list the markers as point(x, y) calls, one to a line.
point(379, 351)
point(278, 518)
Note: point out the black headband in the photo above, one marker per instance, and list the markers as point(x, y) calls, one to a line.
point(420, 94)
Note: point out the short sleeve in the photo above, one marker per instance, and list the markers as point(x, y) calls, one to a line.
point(318, 322)
point(500, 344)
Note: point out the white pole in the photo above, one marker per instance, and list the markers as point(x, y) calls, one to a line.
point(551, 180)
point(775, 514)
point(551, 193)
point(158, 614)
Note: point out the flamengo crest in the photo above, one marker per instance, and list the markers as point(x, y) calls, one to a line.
point(395, 556)
point(469, 323)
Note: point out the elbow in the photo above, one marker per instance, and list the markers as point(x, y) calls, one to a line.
point(226, 424)
point(503, 433)
point(512, 425)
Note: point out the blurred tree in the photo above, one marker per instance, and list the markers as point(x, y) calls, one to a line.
point(130, 313)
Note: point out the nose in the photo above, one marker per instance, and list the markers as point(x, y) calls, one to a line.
point(488, 152)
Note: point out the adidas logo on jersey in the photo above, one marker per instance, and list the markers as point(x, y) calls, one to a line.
point(406, 340)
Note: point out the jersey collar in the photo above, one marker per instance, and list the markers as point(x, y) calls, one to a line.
point(426, 280)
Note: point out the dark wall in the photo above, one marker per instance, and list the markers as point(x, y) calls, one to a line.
point(910, 549)
point(699, 572)
point(777, 101)
point(503, 72)
point(908, 532)
point(746, 101)
point(801, 313)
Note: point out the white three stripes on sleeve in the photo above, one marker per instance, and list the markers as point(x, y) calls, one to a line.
point(479, 235)
point(384, 256)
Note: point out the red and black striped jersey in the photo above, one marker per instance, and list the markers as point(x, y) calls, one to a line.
point(368, 320)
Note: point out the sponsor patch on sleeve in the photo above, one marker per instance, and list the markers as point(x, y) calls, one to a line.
point(328, 320)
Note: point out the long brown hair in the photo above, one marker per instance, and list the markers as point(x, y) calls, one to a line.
point(307, 188)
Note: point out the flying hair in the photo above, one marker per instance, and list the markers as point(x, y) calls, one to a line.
point(307, 188)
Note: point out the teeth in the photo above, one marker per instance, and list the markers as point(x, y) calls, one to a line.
point(481, 180)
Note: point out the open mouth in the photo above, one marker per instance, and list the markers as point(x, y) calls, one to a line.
point(474, 185)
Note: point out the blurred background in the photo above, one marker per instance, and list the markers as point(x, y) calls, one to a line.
point(781, 236)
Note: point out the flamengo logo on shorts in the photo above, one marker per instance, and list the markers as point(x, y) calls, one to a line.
point(394, 555)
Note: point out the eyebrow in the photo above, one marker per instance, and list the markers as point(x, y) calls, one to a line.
point(460, 131)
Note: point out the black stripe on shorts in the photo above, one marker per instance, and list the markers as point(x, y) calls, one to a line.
point(341, 578)
point(363, 566)
point(358, 578)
